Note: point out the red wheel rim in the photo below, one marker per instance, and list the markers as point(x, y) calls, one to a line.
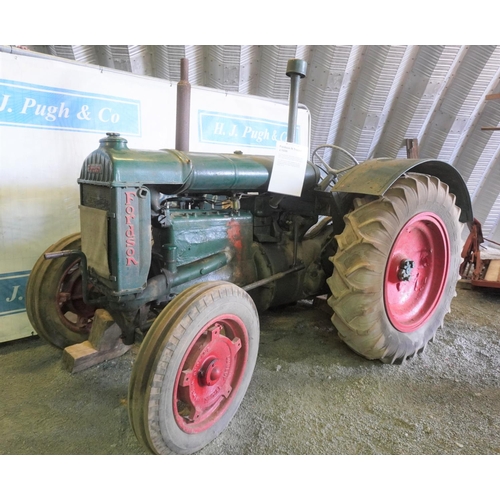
point(210, 373)
point(416, 272)
point(72, 310)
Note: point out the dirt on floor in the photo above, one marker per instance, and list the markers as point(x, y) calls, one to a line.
point(309, 394)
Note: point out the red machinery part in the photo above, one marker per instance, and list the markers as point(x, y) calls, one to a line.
point(416, 271)
point(210, 371)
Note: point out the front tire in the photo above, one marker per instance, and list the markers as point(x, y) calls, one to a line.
point(396, 269)
point(54, 297)
point(193, 368)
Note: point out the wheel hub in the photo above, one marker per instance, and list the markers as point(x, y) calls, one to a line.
point(416, 272)
point(211, 370)
point(405, 268)
point(73, 311)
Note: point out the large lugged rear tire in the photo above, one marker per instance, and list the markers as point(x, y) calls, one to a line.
point(396, 269)
point(193, 368)
point(54, 297)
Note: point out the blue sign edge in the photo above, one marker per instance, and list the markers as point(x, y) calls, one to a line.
point(91, 95)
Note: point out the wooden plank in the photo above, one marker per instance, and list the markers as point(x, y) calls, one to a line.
point(490, 97)
point(105, 332)
point(81, 356)
point(490, 128)
point(493, 271)
point(104, 343)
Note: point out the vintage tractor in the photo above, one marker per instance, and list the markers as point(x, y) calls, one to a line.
point(183, 249)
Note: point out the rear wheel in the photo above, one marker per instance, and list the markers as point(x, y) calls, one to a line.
point(54, 297)
point(193, 368)
point(396, 269)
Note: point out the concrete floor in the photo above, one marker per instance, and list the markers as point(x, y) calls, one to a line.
point(310, 395)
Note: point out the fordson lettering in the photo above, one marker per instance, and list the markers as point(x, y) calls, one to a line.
point(94, 169)
point(130, 231)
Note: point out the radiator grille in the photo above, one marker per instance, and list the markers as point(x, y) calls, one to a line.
point(96, 168)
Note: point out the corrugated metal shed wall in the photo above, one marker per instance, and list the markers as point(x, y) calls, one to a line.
point(366, 99)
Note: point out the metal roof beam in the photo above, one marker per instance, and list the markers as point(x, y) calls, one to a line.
point(322, 86)
point(474, 142)
point(231, 67)
point(458, 83)
point(358, 87)
point(410, 84)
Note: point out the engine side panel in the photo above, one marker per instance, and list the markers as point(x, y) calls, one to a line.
point(192, 235)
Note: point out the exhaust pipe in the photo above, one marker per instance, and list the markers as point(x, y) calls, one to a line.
point(183, 108)
point(295, 70)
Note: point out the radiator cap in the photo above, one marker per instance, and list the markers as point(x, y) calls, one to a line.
point(113, 140)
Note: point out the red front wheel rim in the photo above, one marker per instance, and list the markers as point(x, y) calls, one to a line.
point(416, 272)
point(210, 373)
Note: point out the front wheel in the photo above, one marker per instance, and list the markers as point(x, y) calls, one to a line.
point(396, 269)
point(54, 297)
point(193, 368)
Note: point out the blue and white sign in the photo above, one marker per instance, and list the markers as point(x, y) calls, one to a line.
point(12, 292)
point(53, 114)
point(235, 130)
point(28, 105)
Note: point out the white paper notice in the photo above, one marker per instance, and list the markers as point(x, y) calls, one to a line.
point(289, 168)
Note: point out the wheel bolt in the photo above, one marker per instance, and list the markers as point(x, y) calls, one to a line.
point(405, 268)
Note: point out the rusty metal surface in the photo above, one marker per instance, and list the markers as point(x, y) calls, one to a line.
point(485, 284)
point(474, 268)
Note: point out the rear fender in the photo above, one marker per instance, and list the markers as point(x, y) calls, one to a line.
point(375, 177)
